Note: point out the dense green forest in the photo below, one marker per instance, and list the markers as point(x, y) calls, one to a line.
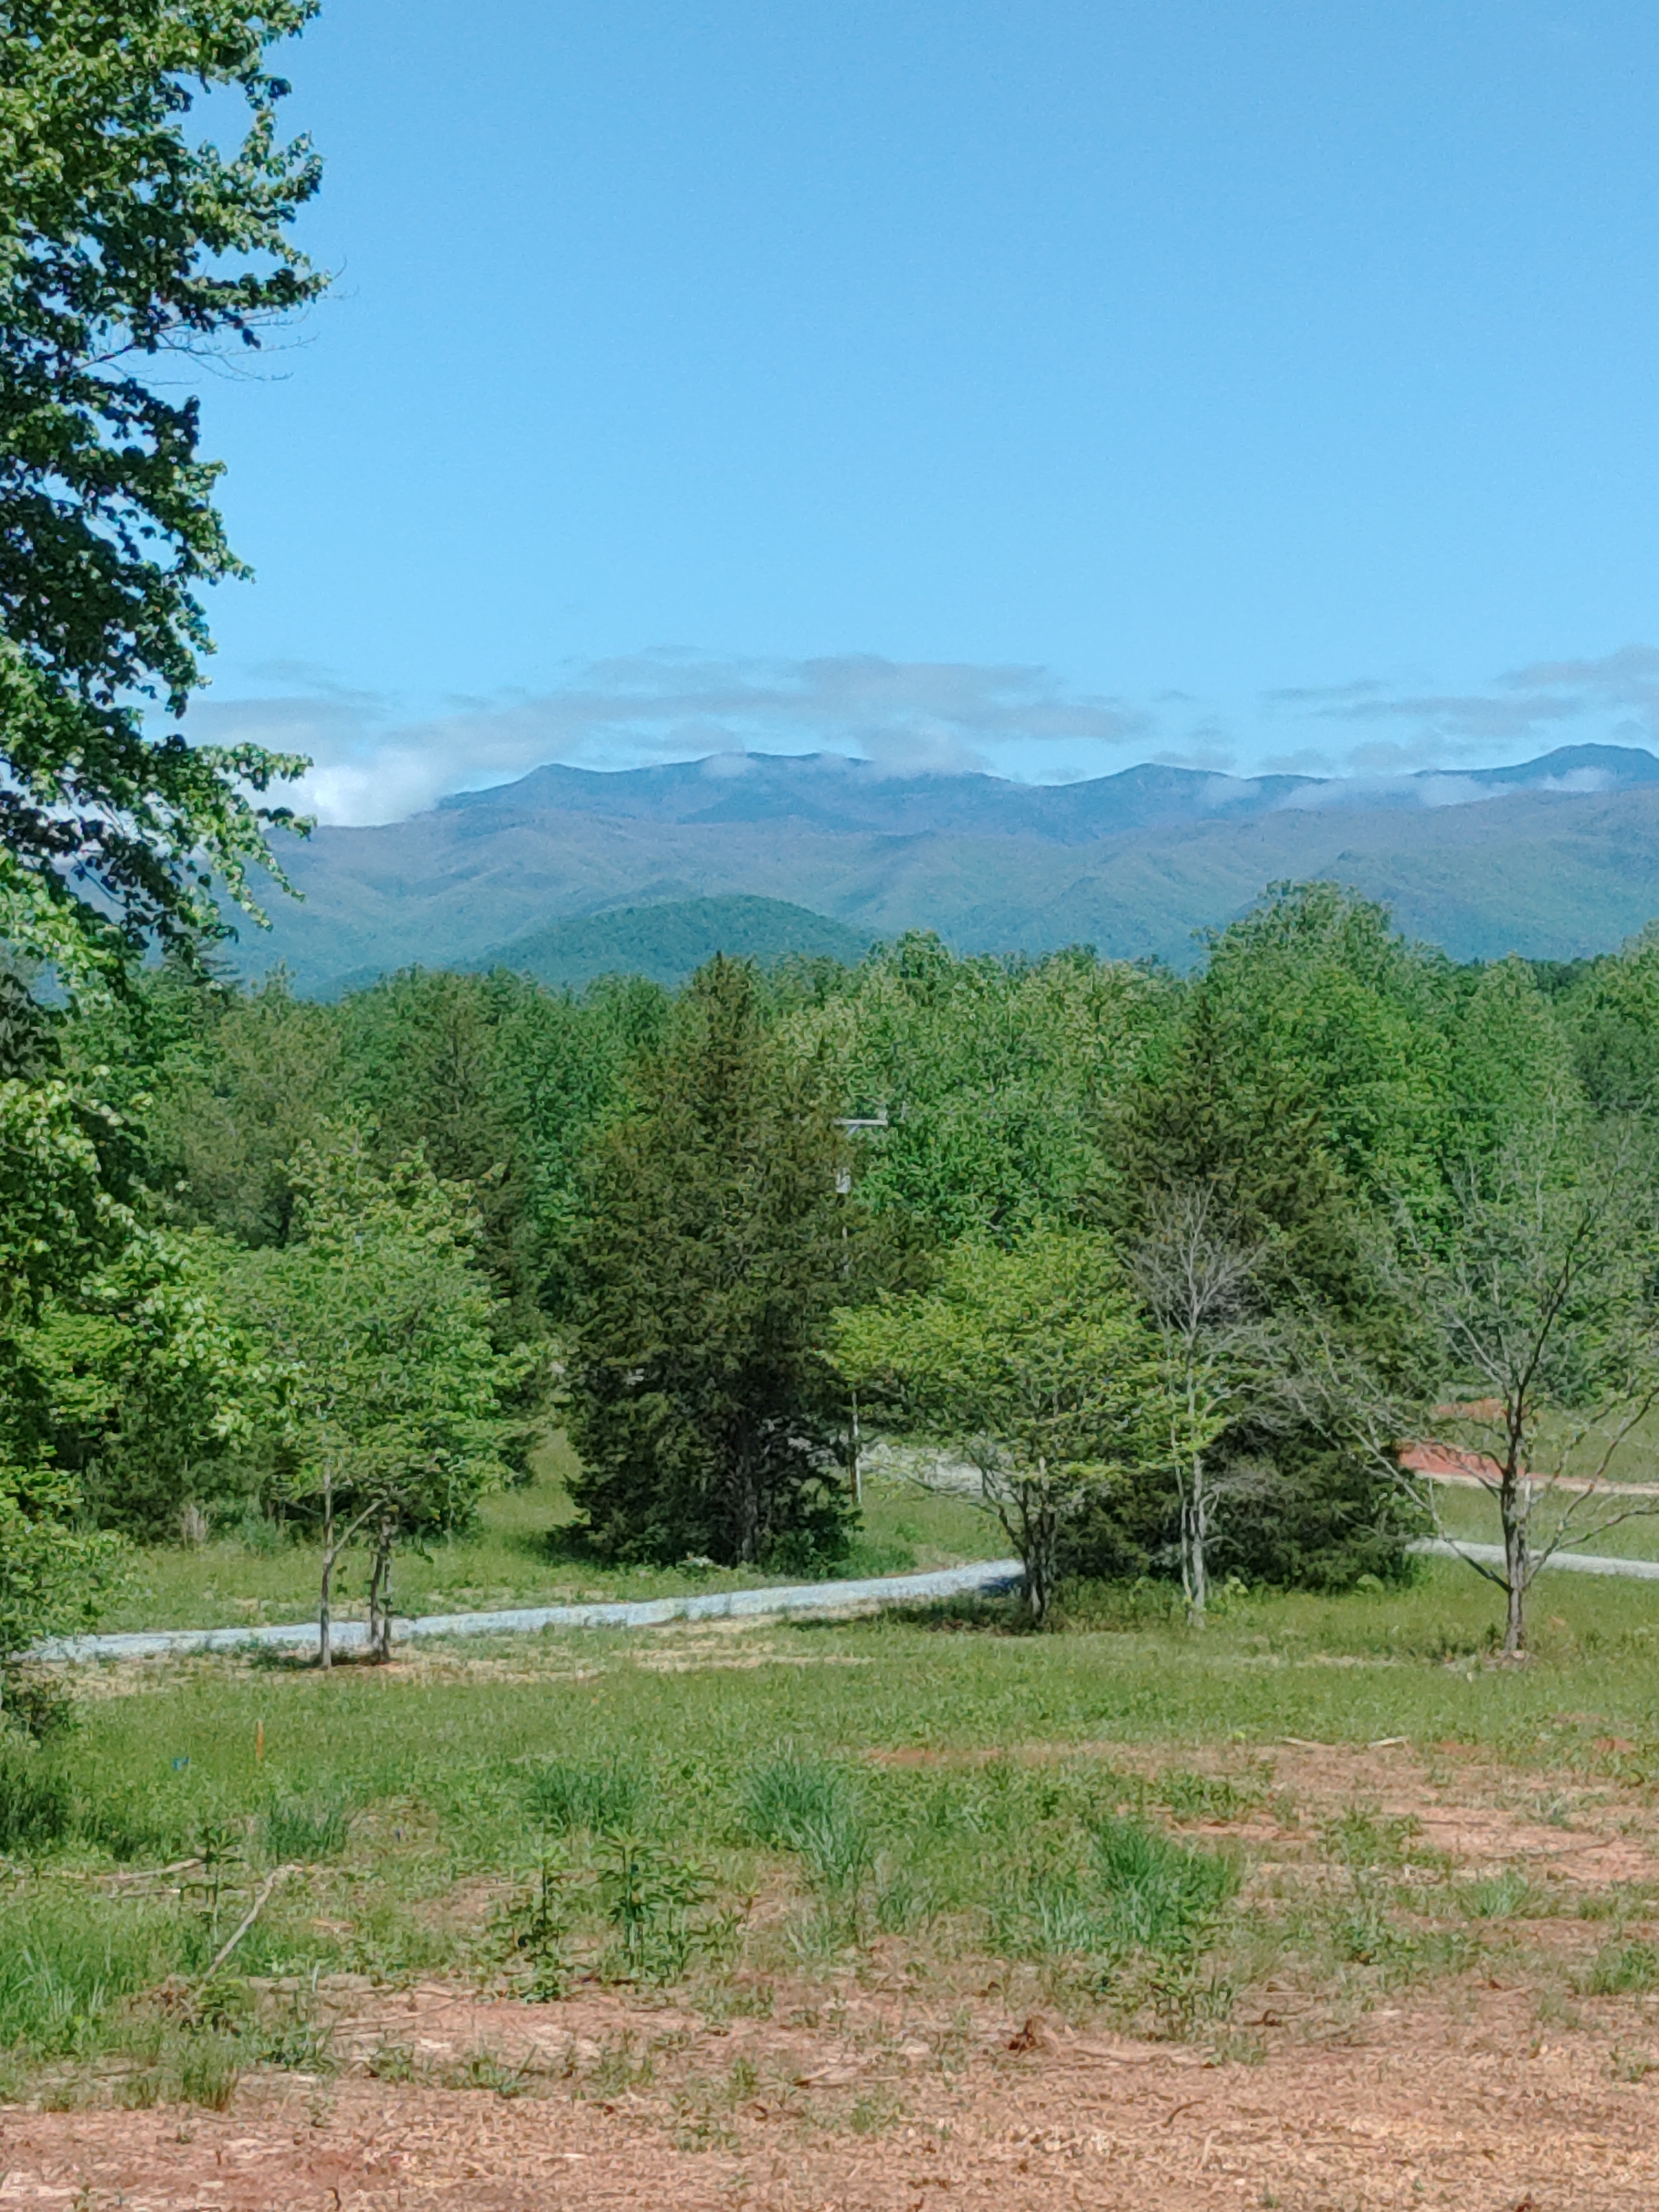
point(1173, 1263)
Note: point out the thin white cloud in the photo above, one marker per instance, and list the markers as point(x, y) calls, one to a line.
point(376, 762)
point(1548, 702)
point(1306, 760)
point(909, 718)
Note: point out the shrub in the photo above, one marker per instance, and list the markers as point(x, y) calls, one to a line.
point(35, 1704)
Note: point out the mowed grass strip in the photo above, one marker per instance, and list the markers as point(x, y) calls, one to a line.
point(522, 1552)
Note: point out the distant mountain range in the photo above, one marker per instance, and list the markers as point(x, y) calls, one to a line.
point(1555, 858)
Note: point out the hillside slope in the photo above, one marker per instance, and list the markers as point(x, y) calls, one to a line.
point(669, 942)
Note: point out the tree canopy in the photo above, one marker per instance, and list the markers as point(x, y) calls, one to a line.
point(375, 1326)
point(1034, 1364)
point(657, 1202)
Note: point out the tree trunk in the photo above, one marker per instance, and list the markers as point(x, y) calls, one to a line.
point(1041, 1523)
point(1195, 1531)
point(324, 1612)
point(1042, 1569)
point(748, 1532)
point(380, 1593)
point(1514, 1507)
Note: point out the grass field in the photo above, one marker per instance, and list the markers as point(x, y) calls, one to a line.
point(1471, 1514)
point(448, 1772)
point(1250, 1842)
point(522, 1553)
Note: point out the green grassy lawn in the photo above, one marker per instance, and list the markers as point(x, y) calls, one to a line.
point(1471, 1514)
point(521, 1553)
point(1349, 1669)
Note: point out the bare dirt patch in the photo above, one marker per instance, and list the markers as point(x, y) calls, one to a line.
point(883, 2108)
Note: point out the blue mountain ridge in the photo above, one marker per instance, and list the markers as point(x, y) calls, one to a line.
point(1554, 857)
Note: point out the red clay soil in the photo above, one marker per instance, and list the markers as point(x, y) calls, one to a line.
point(1398, 2109)
point(1474, 1470)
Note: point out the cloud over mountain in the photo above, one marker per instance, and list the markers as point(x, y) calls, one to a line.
point(1617, 693)
point(377, 763)
point(909, 717)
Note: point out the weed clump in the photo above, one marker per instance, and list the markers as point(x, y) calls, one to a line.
point(649, 1897)
point(295, 1830)
point(1621, 1970)
point(815, 1810)
point(567, 1796)
point(1500, 1896)
point(1188, 1797)
point(1164, 1895)
point(37, 1805)
point(536, 1927)
point(1135, 1892)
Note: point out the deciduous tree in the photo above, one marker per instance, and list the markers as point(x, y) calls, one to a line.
point(1201, 1287)
point(59, 1225)
point(1540, 1294)
point(1033, 1362)
point(374, 1323)
point(126, 237)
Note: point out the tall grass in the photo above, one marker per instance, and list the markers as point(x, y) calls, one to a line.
point(817, 1810)
point(68, 1960)
point(1135, 1890)
point(295, 1830)
point(567, 1795)
point(37, 1802)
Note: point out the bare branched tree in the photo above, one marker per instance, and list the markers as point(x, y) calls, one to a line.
point(1541, 1296)
point(1200, 1285)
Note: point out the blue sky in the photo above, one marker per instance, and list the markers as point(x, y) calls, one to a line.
point(1044, 387)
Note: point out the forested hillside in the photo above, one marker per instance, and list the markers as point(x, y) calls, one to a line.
point(1175, 1261)
point(665, 942)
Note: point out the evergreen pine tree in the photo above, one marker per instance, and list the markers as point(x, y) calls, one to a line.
point(1287, 1078)
point(715, 1246)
